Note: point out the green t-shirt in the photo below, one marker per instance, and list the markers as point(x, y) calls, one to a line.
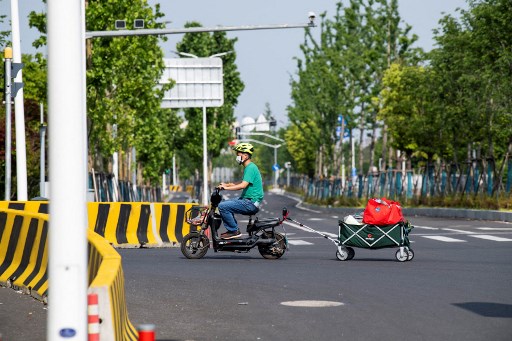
point(254, 190)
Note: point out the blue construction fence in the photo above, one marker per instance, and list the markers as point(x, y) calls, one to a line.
point(434, 180)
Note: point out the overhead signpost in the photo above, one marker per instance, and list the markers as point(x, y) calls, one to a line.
point(199, 84)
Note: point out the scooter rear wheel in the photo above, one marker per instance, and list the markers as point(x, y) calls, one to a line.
point(194, 246)
point(275, 250)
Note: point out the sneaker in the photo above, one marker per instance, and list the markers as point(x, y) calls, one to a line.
point(231, 234)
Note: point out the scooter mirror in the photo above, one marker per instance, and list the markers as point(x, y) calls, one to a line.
point(285, 212)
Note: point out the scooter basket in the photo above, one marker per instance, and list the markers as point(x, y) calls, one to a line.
point(197, 215)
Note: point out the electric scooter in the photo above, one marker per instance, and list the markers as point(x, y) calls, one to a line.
point(261, 233)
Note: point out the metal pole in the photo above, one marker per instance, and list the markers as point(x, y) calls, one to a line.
point(115, 156)
point(275, 164)
point(8, 116)
point(42, 162)
point(149, 31)
point(19, 111)
point(134, 174)
point(174, 170)
point(205, 161)
point(67, 313)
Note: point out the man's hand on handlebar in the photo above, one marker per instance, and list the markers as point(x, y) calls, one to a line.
point(223, 185)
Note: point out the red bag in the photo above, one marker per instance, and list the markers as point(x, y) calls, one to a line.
point(382, 212)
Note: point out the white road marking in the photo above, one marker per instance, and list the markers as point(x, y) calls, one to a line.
point(495, 228)
point(312, 304)
point(298, 242)
point(426, 227)
point(316, 219)
point(494, 238)
point(459, 231)
point(335, 217)
point(445, 239)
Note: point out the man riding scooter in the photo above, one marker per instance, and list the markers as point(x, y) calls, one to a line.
point(252, 192)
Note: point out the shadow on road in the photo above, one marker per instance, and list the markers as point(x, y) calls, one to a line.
point(487, 309)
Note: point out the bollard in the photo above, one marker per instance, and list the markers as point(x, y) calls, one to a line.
point(146, 332)
point(93, 317)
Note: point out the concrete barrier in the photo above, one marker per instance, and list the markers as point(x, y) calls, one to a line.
point(24, 252)
point(127, 223)
point(27, 206)
point(24, 264)
point(175, 188)
point(137, 224)
point(106, 279)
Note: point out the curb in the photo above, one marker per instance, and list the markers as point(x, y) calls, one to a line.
point(490, 215)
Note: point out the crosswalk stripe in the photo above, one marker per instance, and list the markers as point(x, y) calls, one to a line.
point(426, 227)
point(493, 238)
point(495, 228)
point(459, 231)
point(445, 239)
point(299, 242)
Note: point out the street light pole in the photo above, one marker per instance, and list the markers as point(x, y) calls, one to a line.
point(8, 108)
point(19, 111)
point(67, 241)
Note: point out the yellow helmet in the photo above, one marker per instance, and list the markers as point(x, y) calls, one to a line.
point(244, 148)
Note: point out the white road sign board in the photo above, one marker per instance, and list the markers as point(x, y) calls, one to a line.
point(199, 83)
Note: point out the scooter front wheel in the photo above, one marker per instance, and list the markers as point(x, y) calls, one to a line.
point(194, 245)
point(275, 250)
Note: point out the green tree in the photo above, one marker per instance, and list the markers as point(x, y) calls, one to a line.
point(122, 74)
point(411, 109)
point(298, 144)
point(4, 35)
point(474, 59)
point(342, 72)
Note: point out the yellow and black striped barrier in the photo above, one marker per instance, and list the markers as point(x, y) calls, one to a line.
point(27, 206)
point(24, 265)
point(106, 279)
point(24, 251)
point(127, 223)
point(175, 188)
point(151, 224)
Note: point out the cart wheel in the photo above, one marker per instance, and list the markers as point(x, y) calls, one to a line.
point(401, 258)
point(351, 253)
point(410, 254)
point(342, 254)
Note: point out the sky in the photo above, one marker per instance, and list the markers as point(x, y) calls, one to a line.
point(265, 58)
